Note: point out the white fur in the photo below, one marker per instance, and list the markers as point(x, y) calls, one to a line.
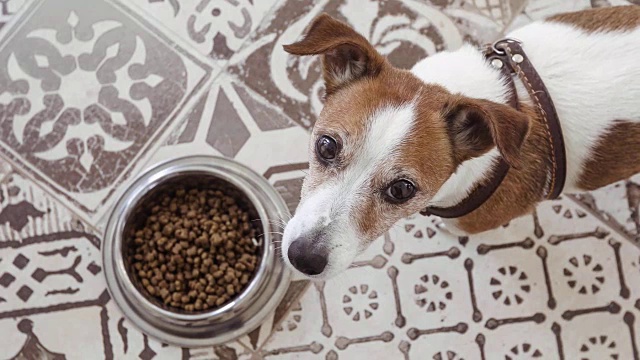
point(463, 71)
point(329, 208)
point(593, 79)
point(386, 131)
point(458, 186)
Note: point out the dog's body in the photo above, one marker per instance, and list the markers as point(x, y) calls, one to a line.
point(389, 142)
point(592, 72)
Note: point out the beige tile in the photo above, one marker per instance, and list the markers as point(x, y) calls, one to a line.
point(217, 29)
point(566, 278)
point(525, 289)
point(8, 8)
point(619, 205)
point(91, 90)
point(28, 212)
point(233, 122)
point(49, 336)
point(404, 31)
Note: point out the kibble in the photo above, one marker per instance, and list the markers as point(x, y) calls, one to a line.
point(195, 250)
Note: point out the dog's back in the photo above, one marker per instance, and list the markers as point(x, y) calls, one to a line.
point(590, 63)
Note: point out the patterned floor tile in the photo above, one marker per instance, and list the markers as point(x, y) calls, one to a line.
point(48, 271)
point(234, 122)
point(405, 31)
point(28, 214)
point(8, 8)
point(500, 11)
point(45, 336)
point(618, 205)
point(103, 332)
point(134, 83)
point(217, 29)
point(290, 339)
point(562, 283)
point(128, 343)
point(528, 290)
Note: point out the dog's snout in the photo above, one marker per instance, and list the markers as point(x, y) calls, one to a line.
point(306, 256)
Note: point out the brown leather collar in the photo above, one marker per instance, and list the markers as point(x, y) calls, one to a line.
point(508, 56)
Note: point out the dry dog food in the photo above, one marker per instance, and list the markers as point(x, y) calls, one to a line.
point(196, 250)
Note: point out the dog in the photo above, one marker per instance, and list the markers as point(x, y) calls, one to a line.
point(390, 142)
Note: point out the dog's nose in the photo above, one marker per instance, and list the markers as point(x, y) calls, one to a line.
point(307, 257)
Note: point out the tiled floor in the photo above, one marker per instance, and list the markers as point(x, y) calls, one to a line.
point(92, 92)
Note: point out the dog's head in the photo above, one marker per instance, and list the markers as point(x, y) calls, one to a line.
point(381, 148)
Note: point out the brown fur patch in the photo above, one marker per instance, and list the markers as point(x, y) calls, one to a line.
point(614, 158)
point(617, 18)
point(475, 126)
point(346, 55)
point(521, 190)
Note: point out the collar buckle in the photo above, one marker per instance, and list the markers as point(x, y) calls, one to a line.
point(498, 46)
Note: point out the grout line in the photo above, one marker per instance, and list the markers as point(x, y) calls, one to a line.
point(471, 7)
point(261, 99)
point(255, 355)
point(249, 37)
point(41, 184)
point(600, 215)
point(284, 317)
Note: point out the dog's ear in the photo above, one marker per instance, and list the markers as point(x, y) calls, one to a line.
point(476, 126)
point(346, 55)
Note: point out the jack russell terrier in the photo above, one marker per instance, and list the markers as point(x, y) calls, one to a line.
point(477, 137)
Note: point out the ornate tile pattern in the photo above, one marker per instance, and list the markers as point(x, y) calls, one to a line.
point(405, 31)
point(618, 205)
point(8, 8)
point(562, 277)
point(28, 213)
point(233, 121)
point(106, 88)
point(217, 29)
point(88, 89)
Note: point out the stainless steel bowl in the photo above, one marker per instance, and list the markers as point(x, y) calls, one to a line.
point(238, 317)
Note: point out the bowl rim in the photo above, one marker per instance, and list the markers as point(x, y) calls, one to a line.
point(122, 222)
point(265, 292)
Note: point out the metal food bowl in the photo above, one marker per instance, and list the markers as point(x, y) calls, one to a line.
point(243, 313)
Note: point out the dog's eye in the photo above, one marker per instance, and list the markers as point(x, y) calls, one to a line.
point(400, 191)
point(327, 148)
